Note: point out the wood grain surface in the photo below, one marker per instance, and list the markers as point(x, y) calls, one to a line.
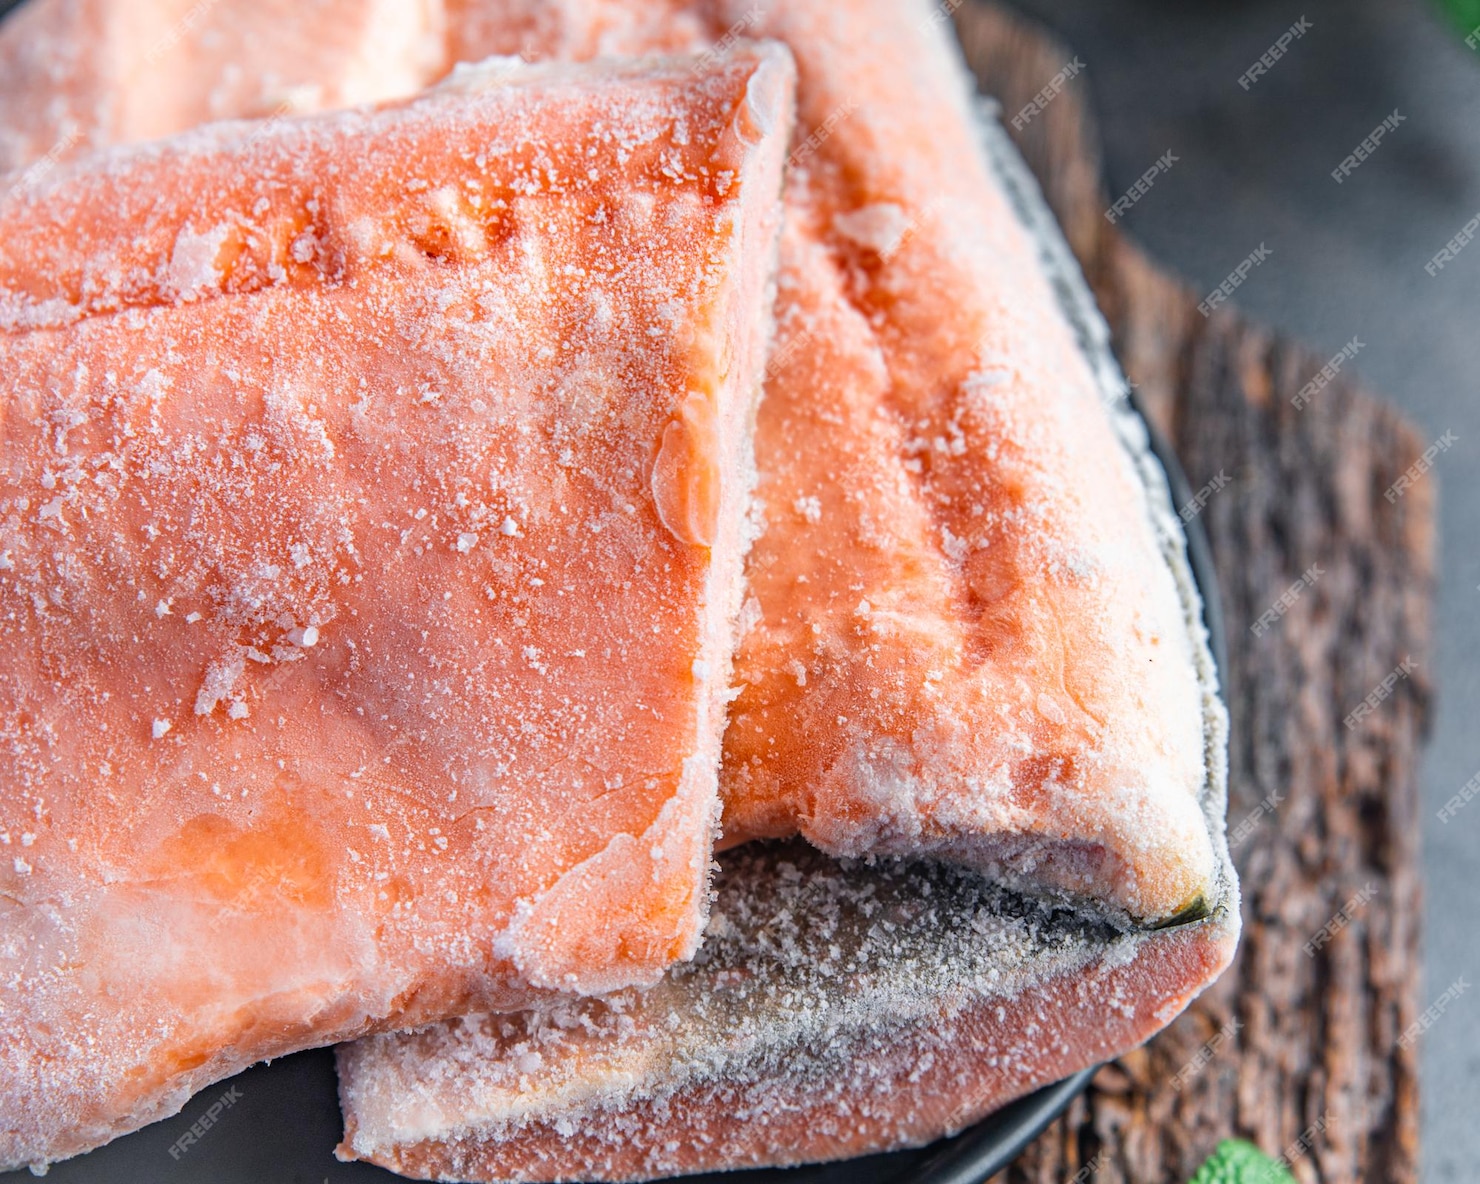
point(1298, 1047)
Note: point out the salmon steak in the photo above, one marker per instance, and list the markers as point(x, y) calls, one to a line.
point(373, 507)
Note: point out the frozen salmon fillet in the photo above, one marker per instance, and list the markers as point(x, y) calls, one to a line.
point(78, 74)
point(965, 640)
point(835, 1009)
point(373, 497)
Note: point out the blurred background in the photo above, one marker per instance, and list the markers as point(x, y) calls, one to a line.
point(1347, 260)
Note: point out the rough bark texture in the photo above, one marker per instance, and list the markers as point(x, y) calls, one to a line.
point(1317, 1019)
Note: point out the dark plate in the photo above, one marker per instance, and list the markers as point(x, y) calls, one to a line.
point(283, 1119)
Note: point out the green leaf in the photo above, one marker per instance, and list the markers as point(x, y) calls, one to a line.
point(1238, 1162)
point(1465, 14)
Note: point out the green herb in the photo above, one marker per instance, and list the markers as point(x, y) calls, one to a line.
point(1464, 13)
point(1237, 1162)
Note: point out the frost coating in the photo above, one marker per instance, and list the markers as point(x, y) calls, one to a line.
point(834, 1009)
point(297, 765)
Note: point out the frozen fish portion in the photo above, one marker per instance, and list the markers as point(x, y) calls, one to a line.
point(373, 494)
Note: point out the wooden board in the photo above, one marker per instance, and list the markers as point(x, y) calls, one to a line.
point(1310, 1023)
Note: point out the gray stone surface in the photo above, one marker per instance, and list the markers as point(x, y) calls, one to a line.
point(1254, 166)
